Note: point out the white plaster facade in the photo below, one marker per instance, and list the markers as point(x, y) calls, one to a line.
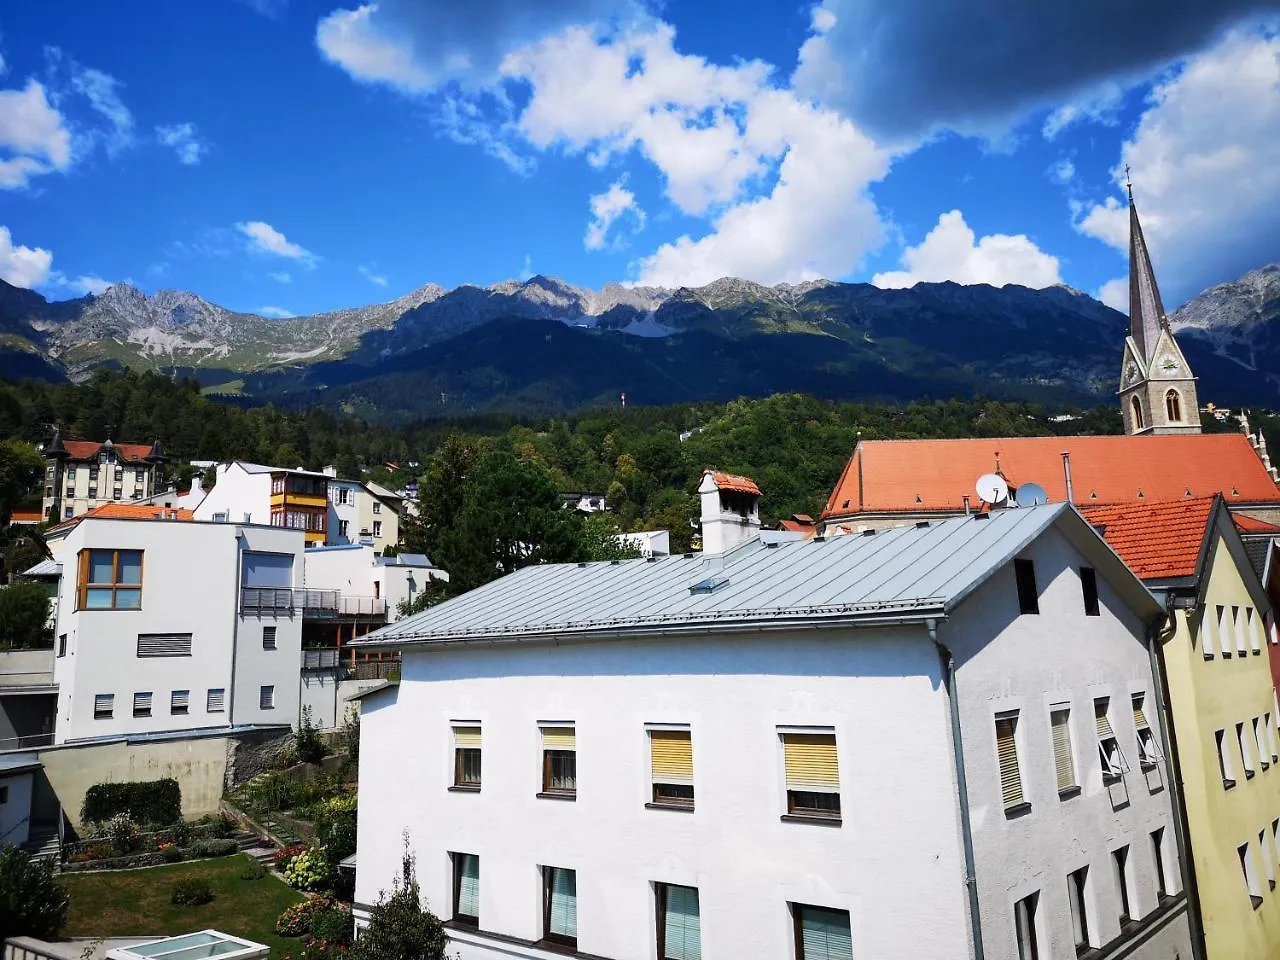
point(895, 861)
point(15, 806)
point(192, 574)
point(361, 512)
point(369, 583)
point(237, 496)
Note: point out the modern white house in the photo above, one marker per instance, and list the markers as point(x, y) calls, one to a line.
point(168, 624)
point(366, 579)
point(921, 743)
point(252, 493)
point(363, 511)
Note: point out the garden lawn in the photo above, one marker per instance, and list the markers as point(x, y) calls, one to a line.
point(118, 903)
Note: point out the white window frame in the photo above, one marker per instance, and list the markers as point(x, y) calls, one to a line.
point(1246, 750)
point(1074, 787)
point(1226, 764)
point(1260, 738)
point(1148, 748)
point(1249, 870)
point(1268, 858)
point(1113, 768)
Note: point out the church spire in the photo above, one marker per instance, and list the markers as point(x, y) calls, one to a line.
point(1146, 312)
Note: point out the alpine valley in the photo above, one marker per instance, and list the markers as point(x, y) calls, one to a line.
point(542, 346)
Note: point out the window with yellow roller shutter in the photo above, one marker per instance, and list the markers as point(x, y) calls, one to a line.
point(671, 767)
point(813, 775)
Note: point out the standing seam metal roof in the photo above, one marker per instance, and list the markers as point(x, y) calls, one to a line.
point(902, 570)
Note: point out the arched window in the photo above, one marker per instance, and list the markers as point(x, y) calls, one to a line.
point(1137, 414)
point(1173, 406)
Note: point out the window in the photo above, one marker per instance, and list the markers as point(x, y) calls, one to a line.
point(822, 934)
point(71, 474)
point(1260, 738)
point(1148, 754)
point(1120, 863)
point(215, 700)
point(1268, 861)
point(267, 697)
point(1275, 838)
point(164, 644)
point(466, 757)
point(93, 492)
point(119, 474)
point(466, 888)
point(1136, 407)
point(1077, 896)
point(268, 638)
point(4, 794)
point(343, 527)
point(1225, 766)
point(559, 761)
point(1028, 597)
point(1270, 732)
point(343, 494)
point(1206, 632)
point(1024, 922)
point(62, 644)
point(180, 703)
point(1249, 870)
point(671, 765)
point(68, 512)
point(377, 528)
point(139, 475)
point(813, 775)
point(679, 927)
point(1237, 627)
point(103, 706)
point(1224, 632)
point(1157, 855)
point(1007, 754)
point(1173, 406)
point(377, 506)
point(560, 905)
point(117, 493)
point(110, 580)
point(142, 704)
point(1063, 762)
point(1108, 747)
point(1255, 631)
point(1089, 587)
point(1246, 752)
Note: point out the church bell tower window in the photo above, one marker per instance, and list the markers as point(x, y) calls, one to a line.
point(1173, 406)
point(1137, 413)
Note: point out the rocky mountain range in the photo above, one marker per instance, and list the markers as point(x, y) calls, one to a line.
point(544, 345)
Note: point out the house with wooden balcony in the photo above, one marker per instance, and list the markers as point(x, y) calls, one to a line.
point(293, 498)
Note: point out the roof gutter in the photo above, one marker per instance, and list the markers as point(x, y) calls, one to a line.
point(962, 788)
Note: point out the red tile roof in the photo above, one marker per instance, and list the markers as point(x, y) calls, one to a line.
point(26, 515)
point(1247, 524)
point(130, 511)
point(924, 475)
point(88, 450)
point(731, 481)
point(1158, 541)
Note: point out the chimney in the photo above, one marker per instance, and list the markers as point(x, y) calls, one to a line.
point(730, 511)
point(1066, 470)
point(197, 486)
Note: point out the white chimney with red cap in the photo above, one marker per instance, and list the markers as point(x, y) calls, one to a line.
point(730, 510)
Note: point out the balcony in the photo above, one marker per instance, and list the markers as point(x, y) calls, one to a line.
point(312, 604)
point(347, 667)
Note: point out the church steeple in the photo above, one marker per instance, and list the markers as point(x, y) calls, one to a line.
point(1157, 389)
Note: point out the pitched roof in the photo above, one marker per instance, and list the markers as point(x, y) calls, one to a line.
point(924, 475)
point(1146, 312)
point(1247, 524)
point(1159, 541)
point(89, 450)
point(129, 511)
point(732, 481)
point(910, 571)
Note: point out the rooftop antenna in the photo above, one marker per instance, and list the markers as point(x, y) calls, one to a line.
point(1031, 495)
point(992, 488)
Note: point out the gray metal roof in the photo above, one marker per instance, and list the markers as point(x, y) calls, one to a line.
point(910, 572)
point(45, 568)
point(406, 560)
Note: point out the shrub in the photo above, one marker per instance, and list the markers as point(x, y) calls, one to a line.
point(122, 832)
point(32, 904)
point(284, 856)
point(333, 925)
point(171, 854)
point(399, 928)
point(254, 871)
point(223, 826)
point(190, 892)
point(308, 746)
point(296, 920)
point(157, 802)
point(214, 848)
point(183, 833)
point(308, 870)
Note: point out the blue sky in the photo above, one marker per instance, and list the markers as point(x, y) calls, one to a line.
point(303, 156)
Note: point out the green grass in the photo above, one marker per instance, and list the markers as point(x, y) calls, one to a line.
point(136, 902)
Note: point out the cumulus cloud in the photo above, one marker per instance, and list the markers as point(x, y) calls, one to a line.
point(1206, 167)
point(88, 284)
point(276, 313)
point(102, 91)
point(949, 252)
point(34, 137)
point(184, 141)
point(606, 209)
point(368, 273)
point(417, 47)
point(905, 68)
point(280, 276)
point(264, 238)
point(1064, 171)
point(23, 266)
point(1115, 294)
point(1099, 105)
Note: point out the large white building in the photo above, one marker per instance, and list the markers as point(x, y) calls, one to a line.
point(362, 512)
point(168, 624)
point(791, 750)
point(277, 496)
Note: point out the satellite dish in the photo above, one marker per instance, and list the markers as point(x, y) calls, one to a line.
point(992, 488)
point(1031, 495)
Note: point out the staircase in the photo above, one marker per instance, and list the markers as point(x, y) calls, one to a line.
point(43, 844)
point(259, 849)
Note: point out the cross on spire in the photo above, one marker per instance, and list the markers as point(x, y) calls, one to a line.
point(1128, 183)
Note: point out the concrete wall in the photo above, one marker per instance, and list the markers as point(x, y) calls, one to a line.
point(1031, 663)
point(894, 863)
point(19, 668)
point(15, 809)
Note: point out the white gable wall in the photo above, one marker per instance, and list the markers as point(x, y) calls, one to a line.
point(237, 493)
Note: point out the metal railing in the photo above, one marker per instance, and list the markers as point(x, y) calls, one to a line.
point(29, 742)
point(320, 659)
point(313, 604)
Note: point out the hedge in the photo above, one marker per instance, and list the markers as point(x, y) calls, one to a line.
point(157, 802)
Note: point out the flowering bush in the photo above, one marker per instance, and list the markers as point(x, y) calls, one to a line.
point(296, 920)
point(122, 832)
point(308, 870)
point(284, 856)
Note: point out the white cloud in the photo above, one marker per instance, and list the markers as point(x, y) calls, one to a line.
point(369, 274)
point(88, 284)
point(34, 137)
point(184, 140)
point(606, 208)
point(1115, 294)
point(1064, 171)
point(102, 92)
point(3, 67)
point(1099, 105)
point(280, 276)
point(526, 270)
point(1206, 168)
point(264, 238)
point(276, 313)
point(353, 40)
point(949, 252)
point(23, 266)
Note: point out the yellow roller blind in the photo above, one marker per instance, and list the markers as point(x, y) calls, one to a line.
point(1062, 749)
point(558, 738)
point(811, 762)
point(466, 737)
point(1104, 725)
point(672, 756)
point(1007, 748)
point(1139, 718)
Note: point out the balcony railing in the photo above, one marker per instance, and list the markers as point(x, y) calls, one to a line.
point(313, 604)
point(29, 742)
point(325, 659)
